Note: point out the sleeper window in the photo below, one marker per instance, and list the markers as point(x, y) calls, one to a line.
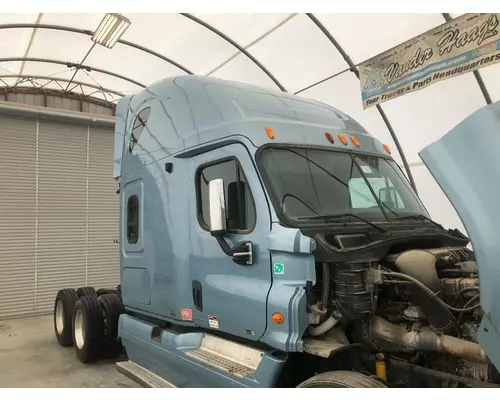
point(133, 219)
point(240, 208)
point(139, 125)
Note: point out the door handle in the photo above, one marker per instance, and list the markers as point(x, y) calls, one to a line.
point(197, 295)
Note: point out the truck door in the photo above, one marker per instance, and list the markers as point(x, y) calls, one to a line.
point(227, 296)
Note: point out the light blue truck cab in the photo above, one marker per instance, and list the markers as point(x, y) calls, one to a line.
point(267, 240)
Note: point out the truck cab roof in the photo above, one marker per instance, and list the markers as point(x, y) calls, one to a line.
point(192, 111)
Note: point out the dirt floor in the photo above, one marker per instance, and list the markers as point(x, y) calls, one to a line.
point(31, 357)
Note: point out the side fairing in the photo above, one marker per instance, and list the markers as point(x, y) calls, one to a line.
point(466, 164)
point(120, 128)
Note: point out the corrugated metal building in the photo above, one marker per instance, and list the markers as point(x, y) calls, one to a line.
point(58, 201)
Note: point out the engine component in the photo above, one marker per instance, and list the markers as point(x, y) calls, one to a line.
point(390, 337)
point(355, 298)
point(480, 371)
point(467, 287)
point(431, 341)
point(421, 265)
point(413, 313)
point(468, 267)
point(380, 366)
point(447, 255)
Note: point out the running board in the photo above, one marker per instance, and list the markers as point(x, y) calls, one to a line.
point(142, 376)
point(231, 357)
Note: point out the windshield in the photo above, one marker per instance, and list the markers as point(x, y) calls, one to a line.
point(307, 183)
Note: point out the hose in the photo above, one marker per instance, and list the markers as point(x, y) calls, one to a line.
point(470, 308)
point(323, 328)
point(465, 290)
point(326, 284)
point(429, 291)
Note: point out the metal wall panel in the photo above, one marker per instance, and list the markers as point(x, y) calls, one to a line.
point(62, 187)
point(58, 212)
point(17, 215)
point(103, 212)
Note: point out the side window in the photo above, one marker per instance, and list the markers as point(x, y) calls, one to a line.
point(139, 125)
point(240, 207)
point(133, 219)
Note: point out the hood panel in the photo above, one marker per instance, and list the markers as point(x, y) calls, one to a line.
point(466, 165)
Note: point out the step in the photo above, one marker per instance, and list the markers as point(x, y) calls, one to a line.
point(141, 375)
point(233, 358)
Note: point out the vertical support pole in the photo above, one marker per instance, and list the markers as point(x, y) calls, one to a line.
point(37, 134)
point(87, 209)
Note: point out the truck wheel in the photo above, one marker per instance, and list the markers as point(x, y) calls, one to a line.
point(88, 329)
point(86, 291)
point(63, 313)
point(112, 308)
point(341, 379)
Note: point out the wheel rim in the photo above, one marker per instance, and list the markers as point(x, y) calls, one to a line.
point(79, 329)
point(59, 317)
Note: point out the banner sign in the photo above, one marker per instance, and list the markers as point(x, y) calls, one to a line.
point(462, 45)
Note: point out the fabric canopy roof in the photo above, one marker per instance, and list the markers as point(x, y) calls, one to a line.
point(305, 53)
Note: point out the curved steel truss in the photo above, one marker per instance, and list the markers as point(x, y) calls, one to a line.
point(46, 93)
point(72, 65)
point(243, 50)
point(90, 33)
point(49, 79)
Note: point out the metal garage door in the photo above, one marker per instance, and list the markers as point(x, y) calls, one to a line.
point(17, 215)
point(58, 212)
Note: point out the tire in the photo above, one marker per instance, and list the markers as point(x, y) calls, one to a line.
point(86, 291)
point(341, 379)
point(63, 316)
point(112, 308)
point(88, 329)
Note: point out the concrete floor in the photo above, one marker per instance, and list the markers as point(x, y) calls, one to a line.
point(31, 357)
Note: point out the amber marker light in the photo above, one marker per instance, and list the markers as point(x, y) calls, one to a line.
point(387, 148)
point(355, 141)
point(270, 132)
point(329, 137)
point(343, 139)
point(278, 318)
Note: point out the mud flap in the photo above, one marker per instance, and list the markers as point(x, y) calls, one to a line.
point(466, 165)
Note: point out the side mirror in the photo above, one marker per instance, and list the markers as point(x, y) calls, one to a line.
point(217, 203)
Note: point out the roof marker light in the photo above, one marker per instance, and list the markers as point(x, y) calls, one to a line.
point(355, 141)
point(342, 138)
point(329, 137)
point(387, 148)
point(270, 132)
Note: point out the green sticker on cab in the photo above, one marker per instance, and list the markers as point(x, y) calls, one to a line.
point(279, 269)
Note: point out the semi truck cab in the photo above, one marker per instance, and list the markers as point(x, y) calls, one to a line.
point(267, 240)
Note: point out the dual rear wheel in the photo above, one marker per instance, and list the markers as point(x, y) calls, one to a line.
point(89, 322)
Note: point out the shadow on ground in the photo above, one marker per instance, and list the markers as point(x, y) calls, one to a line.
point(31, 357)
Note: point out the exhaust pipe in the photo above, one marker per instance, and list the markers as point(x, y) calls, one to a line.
point(384, 335)
point(432, 341)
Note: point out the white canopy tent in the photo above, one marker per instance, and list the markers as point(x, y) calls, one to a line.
point(305, 53)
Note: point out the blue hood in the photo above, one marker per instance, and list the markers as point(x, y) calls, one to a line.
point(466, 165)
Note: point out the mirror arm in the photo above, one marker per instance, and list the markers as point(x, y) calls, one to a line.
point(241, 253)
point(228, 251)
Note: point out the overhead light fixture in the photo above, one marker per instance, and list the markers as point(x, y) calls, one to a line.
point(111, 28)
